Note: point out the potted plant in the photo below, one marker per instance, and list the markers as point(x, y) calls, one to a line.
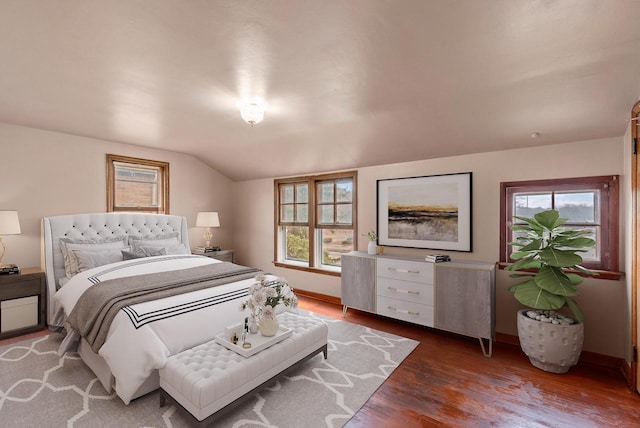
point(550, 254)
point(372, 248)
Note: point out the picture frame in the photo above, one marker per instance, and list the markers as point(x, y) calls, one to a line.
point(432, 212)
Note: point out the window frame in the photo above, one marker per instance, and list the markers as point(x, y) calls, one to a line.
point(163, 193)
point(609, 202)
point(312, 220)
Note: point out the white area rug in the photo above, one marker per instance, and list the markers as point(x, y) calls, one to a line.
point(40, 389)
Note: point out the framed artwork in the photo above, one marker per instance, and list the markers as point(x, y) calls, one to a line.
point(425, 212)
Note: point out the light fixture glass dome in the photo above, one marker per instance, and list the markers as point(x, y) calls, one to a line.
point(252, 111)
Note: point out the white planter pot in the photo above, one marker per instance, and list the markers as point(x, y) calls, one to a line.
point(550, 347)
point(372, 248)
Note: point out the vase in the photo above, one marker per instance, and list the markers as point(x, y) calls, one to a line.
point(253, 325)
point(372, 248)
point(268, 326)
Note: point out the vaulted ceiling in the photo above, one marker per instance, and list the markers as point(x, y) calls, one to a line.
point(348, 83)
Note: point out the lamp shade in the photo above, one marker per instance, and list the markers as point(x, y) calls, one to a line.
point(207, 219)
point(9, 223)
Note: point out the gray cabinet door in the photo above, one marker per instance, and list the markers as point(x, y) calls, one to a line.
point(359, 282)
point(465, 300)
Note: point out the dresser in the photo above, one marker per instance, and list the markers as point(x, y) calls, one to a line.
point(455, 296)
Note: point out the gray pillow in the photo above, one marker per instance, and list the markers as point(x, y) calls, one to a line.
point(67, 245)
point(169, 249)
point(90, 259)
point(137, 253)
point(156, 241)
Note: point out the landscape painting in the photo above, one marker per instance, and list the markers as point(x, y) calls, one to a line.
point(426, 212)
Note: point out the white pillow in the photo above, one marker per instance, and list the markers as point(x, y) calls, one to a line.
point(67, 245)
point(159, 241)
point(90, 259)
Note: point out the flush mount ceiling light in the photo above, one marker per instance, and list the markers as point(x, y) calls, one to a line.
point(252, 111)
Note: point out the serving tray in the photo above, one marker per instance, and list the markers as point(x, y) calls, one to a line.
point(258, 342)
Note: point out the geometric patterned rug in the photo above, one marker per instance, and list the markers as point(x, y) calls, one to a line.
point(40, 389)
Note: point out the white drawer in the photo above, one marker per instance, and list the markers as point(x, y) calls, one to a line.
point(406, 270)
point(407, 311)
point(405, 290)
point(18, 313)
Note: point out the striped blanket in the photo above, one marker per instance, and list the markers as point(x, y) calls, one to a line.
point(98, 306)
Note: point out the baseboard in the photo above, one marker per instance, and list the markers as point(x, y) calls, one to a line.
point(319, 296)
point(586, 357)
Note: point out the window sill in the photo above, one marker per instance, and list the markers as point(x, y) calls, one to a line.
point(601, 274)
point(322, 271)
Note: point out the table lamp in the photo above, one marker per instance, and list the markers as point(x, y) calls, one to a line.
point(208, 219)
point(9, 225)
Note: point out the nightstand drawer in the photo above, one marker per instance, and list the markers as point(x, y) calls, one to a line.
point(18, 313)
point(222, 255)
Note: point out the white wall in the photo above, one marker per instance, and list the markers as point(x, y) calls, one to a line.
point(47, 173)
point(604, 302)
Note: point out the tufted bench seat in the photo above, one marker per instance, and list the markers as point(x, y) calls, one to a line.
point(208, 378)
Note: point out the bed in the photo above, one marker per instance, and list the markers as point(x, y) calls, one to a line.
point(142, 335)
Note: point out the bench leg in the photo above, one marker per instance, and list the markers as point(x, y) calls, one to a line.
point(324, 351)
point(163, 400)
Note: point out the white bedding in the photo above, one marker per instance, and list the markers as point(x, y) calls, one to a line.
point(139, 340)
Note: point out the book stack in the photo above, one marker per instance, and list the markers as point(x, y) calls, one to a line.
point(203, 250)
point(437, 258)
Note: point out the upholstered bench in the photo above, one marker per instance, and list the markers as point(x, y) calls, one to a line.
point(209, 378)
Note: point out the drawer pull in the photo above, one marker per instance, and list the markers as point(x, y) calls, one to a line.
point(400, 290)
point(404, 270)
point(404, 311)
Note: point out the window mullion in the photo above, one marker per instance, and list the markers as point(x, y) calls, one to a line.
point(311, 218)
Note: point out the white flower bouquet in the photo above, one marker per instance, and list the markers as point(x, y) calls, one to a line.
point(265, 295)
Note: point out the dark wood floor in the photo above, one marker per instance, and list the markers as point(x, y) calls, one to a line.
point(446, 381)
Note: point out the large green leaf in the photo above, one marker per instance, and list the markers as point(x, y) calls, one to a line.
point(576, 242)
point(531, 230)
point(559, 258)
point(555, 281)
point(517, 255)
point(529, 294)
point(520, 275)
point(549, 219)
point(572, 233)
point(533, 245)
point(533, 225)
point(575, 309)
point(575, 279)
point(584, 271)
point(525, 263)
point(514, 287)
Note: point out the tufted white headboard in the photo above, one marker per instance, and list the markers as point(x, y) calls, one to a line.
point(96, 226)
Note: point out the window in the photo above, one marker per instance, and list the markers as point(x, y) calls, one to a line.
point(589, 203)
point(315, 221)
point(138, 185)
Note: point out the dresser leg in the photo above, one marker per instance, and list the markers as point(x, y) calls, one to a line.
point(344, 310)
point(484, 351)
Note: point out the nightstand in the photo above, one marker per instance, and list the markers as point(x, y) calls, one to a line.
point(22, 302)
point(222, 255)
